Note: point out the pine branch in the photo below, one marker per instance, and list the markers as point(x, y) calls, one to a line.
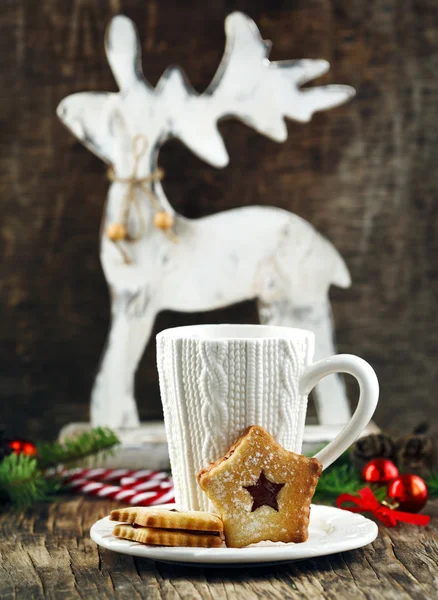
point(22, 477)
point(22, 482)
point(432, 485)
point(336, 480)
point(96, 440)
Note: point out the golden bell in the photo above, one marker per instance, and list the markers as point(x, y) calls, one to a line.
point(162, 220)
point(116, 232)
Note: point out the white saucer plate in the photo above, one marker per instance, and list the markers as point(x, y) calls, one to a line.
point(331, 530)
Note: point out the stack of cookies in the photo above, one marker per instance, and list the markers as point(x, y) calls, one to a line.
point(261, 492)
point(161, 527)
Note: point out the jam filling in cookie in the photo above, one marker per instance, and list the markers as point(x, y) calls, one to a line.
point(264, 493)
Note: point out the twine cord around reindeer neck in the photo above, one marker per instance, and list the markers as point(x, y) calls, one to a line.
point(119, 231)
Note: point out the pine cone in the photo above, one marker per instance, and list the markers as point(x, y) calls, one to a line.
point(417, 454)
point(376, 445)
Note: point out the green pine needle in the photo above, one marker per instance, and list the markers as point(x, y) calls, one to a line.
point(22, 477)
point(380, 493)
point(77, 448)
point(432, 485)
point(21, 481)
point(336, 480)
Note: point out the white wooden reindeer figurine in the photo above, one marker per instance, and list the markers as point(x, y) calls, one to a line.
point(155, 259)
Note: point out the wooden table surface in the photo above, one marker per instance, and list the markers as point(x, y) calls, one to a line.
point(46, 552)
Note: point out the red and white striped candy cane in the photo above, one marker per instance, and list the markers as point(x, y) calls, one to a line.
point(101, 474)
point(139, 478)
point(131, 483)
point(130, 496)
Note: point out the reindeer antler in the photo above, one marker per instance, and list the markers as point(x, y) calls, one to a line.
point(247, 85)
point(250, 87)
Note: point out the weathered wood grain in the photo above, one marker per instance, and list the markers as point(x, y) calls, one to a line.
point(364, 174)
point(46, 552)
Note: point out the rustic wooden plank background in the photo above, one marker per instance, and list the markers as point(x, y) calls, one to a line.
point(363, 174)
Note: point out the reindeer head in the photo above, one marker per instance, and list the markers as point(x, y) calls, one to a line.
point(247, 86)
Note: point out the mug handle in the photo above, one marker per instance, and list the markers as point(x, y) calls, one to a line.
point(368, 397)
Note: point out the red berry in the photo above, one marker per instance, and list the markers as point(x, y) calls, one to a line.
point(409, 492)
point(379, 470)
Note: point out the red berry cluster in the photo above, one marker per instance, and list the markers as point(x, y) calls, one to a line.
point(405, 492)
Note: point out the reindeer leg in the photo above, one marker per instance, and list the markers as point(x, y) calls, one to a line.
point(112, 399)
point(330, 397)
point(331, 400)
point(140, 337)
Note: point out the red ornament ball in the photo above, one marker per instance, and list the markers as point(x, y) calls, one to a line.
point(409, 492)
point(379, 470)
point(23, 447)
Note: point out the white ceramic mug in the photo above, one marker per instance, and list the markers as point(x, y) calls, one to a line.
point(216, 380)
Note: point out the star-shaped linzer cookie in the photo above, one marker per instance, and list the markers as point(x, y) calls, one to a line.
point(261, 491)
